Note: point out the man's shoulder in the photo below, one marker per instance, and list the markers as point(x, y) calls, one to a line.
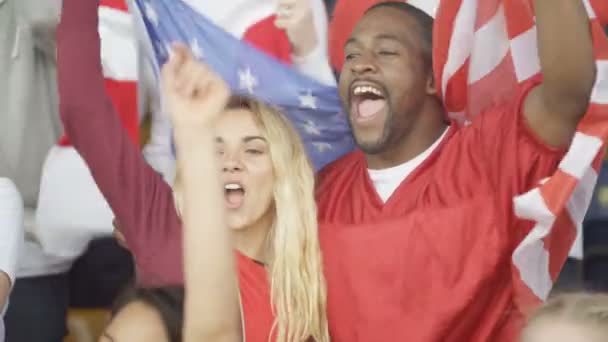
point(340, 165)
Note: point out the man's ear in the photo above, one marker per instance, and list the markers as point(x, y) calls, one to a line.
point(431, 89)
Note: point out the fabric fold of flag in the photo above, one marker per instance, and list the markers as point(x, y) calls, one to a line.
point(313, 108)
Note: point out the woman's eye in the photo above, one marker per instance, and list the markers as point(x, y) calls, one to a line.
point(253, 151)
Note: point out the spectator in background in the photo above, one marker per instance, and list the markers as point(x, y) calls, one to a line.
point(29, 127)
point(53, 272)
point(570, 318)
point(293, 31)
point(11, 238)
point(147, 315)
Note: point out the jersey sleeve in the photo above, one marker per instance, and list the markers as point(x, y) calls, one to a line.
point(513, 157)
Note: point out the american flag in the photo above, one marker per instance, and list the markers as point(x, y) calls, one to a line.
point(483, 50)
point(313, 108)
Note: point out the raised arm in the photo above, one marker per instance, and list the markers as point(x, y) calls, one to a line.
point(305, 22)
point(196, 97)
point(554, 109)
point(142, 202)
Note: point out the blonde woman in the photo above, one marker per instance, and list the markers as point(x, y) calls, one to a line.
point(268, 196)
point(570, 318)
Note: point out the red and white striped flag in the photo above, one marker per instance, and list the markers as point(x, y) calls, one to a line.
point(484, 49)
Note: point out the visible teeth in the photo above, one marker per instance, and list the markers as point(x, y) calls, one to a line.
point(367, 89)
point(232, 186)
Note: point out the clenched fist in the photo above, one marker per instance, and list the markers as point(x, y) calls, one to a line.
point(194, 95)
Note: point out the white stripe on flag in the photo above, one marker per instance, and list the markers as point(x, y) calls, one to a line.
point(483, 59)
point(531, 206)
point(577, 207)
point(461, 41)
point(589, 8)
point(524, 52)
point(532, 260)
point(599, 94)
point(118, 47)
point(579, 202)
point(530, 257)
point(428, 6)
point(583, 150)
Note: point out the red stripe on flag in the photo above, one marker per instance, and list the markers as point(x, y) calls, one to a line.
point(497, 86)
point(600, 41)
point(557, 190)
point(115, 4)
point(600, 7)
point(520, 17)
point(595, 121)
point(442, 33)
point(457, 90)
point(596, 164)
point(486, 10)
point(559, 242)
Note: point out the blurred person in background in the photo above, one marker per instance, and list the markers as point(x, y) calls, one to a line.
point(11, 239)
point(59, 265)
point(569, 318)
point(147, 315)
point(30, 126)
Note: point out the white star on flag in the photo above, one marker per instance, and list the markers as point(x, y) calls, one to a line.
point(308, 100)
point(196, 49)
point(311, 128)
point(151, 13)
point(247, 80)
point(322, 146)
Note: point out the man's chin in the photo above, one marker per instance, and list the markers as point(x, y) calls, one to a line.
point(370, 146)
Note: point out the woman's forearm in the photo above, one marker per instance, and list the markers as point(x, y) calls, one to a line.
point(210, 269)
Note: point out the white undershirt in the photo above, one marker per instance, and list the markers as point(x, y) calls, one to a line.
point(386, 181)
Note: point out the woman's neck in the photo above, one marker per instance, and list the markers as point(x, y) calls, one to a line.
point(253, 241)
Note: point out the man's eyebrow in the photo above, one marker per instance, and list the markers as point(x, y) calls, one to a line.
point(381, 36)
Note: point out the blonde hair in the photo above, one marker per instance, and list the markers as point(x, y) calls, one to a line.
point(588, 310)
point(297, 285)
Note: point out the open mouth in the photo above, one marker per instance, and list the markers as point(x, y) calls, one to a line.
point(234, 194)
point(367, 101)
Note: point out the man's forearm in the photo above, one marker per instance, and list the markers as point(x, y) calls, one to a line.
point(566, 55)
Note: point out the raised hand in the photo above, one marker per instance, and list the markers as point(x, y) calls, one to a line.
point(194, 95)
point(297, 19)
